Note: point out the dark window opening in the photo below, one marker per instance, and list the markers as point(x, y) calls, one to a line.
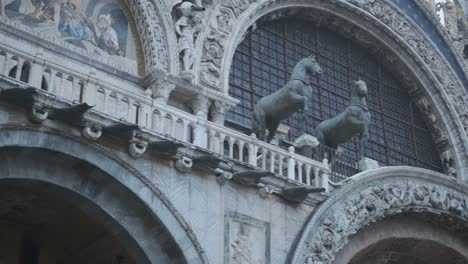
point(262, 65)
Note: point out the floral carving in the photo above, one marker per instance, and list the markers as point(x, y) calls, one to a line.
point(373, 204)
point(149, 25)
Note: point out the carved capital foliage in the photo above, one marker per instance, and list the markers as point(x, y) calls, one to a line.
point(370, 198)
point(152, 34)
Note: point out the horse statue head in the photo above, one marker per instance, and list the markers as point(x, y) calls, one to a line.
point(311, 65)
point(359, 89)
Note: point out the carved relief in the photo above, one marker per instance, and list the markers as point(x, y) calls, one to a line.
point(448, 163)
point(223, 19)
point(373, 204)
point(238, 6)
point(439, 134)
point(247, 240)
point(213, 48)
point(187, 26)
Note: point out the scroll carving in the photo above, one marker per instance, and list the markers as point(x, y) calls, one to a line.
point(373, 204)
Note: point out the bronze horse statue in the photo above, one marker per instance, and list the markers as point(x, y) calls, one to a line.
point(354, 120)
point(294, 96)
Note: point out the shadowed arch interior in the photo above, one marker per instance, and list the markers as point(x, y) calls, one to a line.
point(408, 251)
point(64, 185)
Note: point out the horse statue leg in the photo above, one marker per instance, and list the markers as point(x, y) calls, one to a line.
point(259, 123)
point(272, 127)
point(362, 142)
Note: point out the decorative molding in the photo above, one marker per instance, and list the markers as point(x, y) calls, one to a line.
point(372, 196)
point(152, 34)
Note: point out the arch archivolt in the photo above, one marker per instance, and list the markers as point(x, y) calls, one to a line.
point(371, 197)
point(387, 31)
point(119, 171)
point(153, 21)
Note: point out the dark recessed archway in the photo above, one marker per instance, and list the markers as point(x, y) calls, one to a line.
point(408, 251)
point(38, 224)
point(55, 208)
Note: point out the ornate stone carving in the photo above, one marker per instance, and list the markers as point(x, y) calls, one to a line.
point(373, 200)
point(238, 6)
point(210, 75)
point(187, 27)
point(439, 134)
point(153, 34)
point(158, 86)
point(224, 19)
point(247, 240)
point(451, 18)
point(448, 163)
point(213, 48)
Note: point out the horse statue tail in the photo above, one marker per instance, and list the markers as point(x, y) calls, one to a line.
point(258, 122)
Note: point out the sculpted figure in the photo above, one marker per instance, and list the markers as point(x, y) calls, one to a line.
point(186, 27)
point(354, 120)
point(293, 97)
point(25, 6)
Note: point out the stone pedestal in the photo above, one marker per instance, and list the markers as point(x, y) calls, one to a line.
point(368, 164)
point(305, 145)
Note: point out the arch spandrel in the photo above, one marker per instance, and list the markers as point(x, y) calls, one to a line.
point(393, 35)
point(371, 197)
point(122, 174)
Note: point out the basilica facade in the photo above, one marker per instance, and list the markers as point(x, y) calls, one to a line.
point(133, 131)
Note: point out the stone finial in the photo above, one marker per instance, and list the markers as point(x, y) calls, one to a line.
point(368, 164)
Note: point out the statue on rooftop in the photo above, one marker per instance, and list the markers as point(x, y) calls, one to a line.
point(293, 97)
point(354, 120)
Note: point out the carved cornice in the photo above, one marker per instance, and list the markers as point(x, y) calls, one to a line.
point(373, 196)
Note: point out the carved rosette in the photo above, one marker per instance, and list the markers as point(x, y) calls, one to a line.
point(372, 197)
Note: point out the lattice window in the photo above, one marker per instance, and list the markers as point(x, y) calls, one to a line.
point(264, 60)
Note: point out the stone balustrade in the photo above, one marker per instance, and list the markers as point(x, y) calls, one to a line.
point(159, 118)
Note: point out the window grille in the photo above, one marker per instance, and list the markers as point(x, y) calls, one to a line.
point(264, 60)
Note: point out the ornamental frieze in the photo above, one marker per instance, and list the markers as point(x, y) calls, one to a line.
point(366, 201)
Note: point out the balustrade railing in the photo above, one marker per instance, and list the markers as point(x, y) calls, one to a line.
point(117, 103)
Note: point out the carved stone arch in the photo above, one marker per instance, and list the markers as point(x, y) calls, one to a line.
point(122, 175)
point(391, 34)
point(370, 197)
point(155, 29)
